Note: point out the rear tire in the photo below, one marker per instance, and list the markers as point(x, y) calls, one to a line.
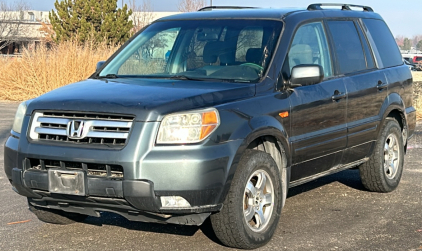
point(252, 207)
point(56, 216)
point(383, 171)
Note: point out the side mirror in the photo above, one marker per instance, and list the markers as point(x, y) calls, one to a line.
point(306, 74)
point(99, 65)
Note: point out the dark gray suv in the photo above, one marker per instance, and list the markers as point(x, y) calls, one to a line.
point(217, 114)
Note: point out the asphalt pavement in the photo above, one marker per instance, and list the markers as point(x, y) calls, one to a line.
point(332, 213)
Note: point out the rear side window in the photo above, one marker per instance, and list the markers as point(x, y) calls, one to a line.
point(347, 46)
point(384, 41)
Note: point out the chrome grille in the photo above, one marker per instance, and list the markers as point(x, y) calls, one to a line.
point(97, 129)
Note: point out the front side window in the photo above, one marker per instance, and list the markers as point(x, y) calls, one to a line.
point(347, 46)
point(225, 50)
point(309, 46)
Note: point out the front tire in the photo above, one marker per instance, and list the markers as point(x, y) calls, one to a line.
point(253, 205)
point(383, 171)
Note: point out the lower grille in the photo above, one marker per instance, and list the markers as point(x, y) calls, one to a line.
point(96, 170)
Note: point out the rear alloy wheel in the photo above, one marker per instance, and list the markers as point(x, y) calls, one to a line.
point(253, 205)
point(383, 171)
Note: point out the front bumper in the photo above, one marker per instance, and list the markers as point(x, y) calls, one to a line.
point(198, 173)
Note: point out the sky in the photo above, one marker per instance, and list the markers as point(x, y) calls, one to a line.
point(404, 17)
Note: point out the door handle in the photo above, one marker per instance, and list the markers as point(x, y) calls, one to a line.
point(338, 95)
point(381, 86)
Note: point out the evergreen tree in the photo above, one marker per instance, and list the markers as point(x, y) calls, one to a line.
point(407, 44)
point(419, 45)
point(97, 20)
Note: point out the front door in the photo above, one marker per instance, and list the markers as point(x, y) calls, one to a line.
point(318, 114)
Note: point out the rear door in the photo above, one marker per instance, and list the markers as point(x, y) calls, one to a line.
point(318, 115)
point(366, 86)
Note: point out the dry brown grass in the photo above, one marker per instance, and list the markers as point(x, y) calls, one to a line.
point(42, 70)
point(417, 93)
point(417, 76)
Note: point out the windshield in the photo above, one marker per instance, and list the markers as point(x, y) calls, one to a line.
point(226, 50)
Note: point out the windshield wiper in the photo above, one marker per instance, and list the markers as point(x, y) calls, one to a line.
point(108, 76)
point(184, 77)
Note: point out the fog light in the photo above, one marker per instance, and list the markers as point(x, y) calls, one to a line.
point(174, 201)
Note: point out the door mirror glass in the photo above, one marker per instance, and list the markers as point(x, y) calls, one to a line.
point(306, 75)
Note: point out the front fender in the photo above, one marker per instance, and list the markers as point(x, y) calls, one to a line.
point(249, 131)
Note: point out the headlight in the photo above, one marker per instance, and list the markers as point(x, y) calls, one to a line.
point(188, 127)
point(20, 114)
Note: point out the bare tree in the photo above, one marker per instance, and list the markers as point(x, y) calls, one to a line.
point(190, 5)
point(157, 42)
point(142, 14)
point(47, 32)
point(12, 26)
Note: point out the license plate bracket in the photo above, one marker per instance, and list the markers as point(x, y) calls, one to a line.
point(70, 182)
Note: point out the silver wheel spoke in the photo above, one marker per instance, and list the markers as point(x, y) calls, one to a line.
point(386, 147)
point(249, 213)
point(268, 199)
point(260, 217)
point(250, 188)
point(392, 142)
point(262, 181)
point(392, 168)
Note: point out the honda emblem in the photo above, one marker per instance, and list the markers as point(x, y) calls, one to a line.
point(75, 129)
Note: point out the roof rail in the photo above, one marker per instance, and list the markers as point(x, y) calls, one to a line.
point(210, 8)
point(317, 6)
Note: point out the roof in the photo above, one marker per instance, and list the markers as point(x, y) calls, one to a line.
point(233, 14)
point(258, 13)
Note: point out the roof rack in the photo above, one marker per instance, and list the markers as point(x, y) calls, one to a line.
point(317, 6)
point(210, 8)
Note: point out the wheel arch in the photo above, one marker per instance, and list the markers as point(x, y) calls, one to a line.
point(395, 108)
point(265, 134)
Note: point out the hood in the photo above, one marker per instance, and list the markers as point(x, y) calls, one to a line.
point(147, 99)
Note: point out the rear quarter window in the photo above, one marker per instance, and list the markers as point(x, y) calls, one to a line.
point(348, 46)
point(386, 45)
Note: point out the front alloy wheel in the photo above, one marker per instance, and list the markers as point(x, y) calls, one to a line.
point(258, 200)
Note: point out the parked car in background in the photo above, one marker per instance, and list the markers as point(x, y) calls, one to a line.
point(413, 58)
point(247, 104)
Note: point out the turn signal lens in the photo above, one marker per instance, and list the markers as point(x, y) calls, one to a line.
point(284, 114)
point(188, 127)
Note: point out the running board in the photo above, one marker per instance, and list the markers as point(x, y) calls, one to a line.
point(333, 170)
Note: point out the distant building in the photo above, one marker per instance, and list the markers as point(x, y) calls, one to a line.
point(24, 26)
point(29, 23)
